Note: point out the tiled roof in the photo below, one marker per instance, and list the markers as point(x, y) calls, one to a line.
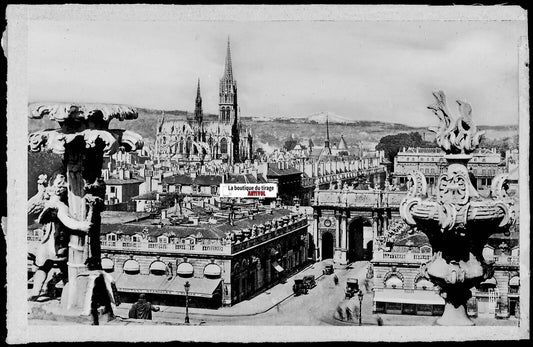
point(178, 179)
point(244, 223)
point(118, 181)
point(147, 196)
point(273, 170)
point(155, 230)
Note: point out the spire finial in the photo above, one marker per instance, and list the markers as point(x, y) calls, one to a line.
point(228, 71)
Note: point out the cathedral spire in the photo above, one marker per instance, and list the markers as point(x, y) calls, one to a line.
point(198, 114)
point(228, 71)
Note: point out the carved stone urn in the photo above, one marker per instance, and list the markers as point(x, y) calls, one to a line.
point(82, 139)
point(457, 220)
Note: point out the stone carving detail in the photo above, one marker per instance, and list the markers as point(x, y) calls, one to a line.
point(83, 137)
point(459, 136)
point(457, 220)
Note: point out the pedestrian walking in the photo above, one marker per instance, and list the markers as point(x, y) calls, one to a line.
point(142, 309)
point(335, 279)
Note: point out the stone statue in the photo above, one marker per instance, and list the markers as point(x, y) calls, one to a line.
point(82, 139)
point(57, 225)
point(457, 221)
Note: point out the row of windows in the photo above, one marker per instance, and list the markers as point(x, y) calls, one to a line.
point(159, 268)
point(396, 282)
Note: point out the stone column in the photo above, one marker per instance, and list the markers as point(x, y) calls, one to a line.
point(316, 214)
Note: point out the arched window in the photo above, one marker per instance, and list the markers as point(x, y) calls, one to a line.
point(487, 285)
point(188, 146)
point(514, 285)
point(223, 146)
point(158, 268)
point(185, 270)
point(131, 267)
point(424, 284)
point(108, 265)
point(394, 282)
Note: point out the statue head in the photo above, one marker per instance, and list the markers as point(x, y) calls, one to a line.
point(58, 185)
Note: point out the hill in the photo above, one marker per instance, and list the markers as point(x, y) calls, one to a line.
point(272, 132)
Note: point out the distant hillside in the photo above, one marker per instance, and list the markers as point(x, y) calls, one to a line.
point(272, 132)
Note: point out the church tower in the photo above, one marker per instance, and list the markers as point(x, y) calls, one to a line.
point(227, 93)
point(327, 147)
point(198, 114)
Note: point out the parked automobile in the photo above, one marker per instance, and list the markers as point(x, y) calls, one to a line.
point(352, 287)
point(328, 269)
point(309, 281)
point(299, 287)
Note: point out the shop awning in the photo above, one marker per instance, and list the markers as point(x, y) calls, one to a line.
point(277, 267)
point(200, 287)
point(490, 281)
point(424, 297)
point(212, 270)
point(514, 281)
point(131, 265)
point(158, 266)
point(185, 269)
point(107, 264)
point(423, 283)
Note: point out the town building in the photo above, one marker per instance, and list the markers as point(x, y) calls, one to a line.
point(485, 164)
point(224, 261)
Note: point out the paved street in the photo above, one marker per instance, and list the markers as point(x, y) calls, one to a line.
point(276, 306)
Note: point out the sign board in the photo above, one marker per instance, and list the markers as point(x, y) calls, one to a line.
point(248, 190)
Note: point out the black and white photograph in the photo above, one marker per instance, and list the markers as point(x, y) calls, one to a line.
point(267, 173)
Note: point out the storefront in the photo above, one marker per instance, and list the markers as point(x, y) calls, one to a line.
point(412, 302)
point(162, 290)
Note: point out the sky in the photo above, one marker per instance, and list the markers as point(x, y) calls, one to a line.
point(365, 70)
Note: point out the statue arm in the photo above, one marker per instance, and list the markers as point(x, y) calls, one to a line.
point(69, 222)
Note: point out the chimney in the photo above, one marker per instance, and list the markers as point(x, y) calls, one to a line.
point(105, 174)
point(127, 174)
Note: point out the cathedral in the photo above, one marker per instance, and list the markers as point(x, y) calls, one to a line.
point(198, 140)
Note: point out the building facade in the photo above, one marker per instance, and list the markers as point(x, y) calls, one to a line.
point(485, 164)
point(223, 262)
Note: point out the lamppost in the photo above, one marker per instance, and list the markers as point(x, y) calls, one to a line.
point(360, 296)
point(187, 285)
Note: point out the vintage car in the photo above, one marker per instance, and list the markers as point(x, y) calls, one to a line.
point(328, 269)
point(309, 281)
point(352, 287)
point(299, 287)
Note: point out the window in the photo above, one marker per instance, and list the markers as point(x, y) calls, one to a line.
point(394, 282)
point(409, 309)
point(111, 237)
point(136, 238)
point(112, 189)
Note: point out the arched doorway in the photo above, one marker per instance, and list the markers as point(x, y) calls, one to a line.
point(355, 240)
point(327, 245)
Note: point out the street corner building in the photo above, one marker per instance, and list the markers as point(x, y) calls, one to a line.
point(224, 262)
